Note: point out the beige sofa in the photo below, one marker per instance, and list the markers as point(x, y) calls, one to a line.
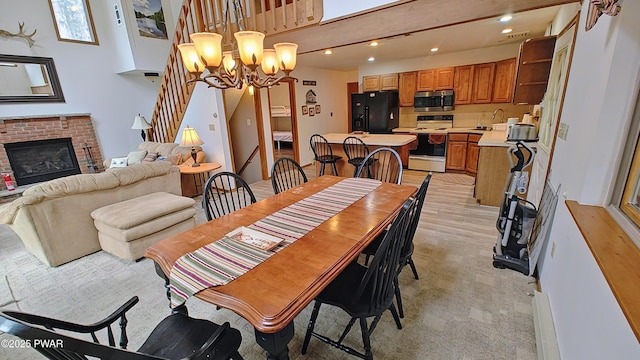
point(173, 152)
point(53, 218)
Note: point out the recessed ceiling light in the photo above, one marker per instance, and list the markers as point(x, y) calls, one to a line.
point(507, 30)
point(434, 49)
point(371, 58)
point(505, 18)
point(328, 52)
point(373, 43)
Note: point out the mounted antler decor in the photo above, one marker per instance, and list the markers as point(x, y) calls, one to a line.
point(599, 7)
point(21, 34)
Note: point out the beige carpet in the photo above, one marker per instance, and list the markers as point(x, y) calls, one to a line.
point(461, 308)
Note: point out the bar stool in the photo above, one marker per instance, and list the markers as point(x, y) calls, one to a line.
point(323, 153)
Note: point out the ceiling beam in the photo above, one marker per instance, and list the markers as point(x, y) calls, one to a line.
point(401, 19)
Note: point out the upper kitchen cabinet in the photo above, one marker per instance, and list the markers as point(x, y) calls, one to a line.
point(444, 78)
point(483, 77)
point(371, 83)
point(407, 88)
point(504, 81)
point(379, 82)
point(435, 79)
point(534, 65)
point(463, 84)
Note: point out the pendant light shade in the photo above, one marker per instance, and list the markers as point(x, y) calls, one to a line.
point(269, 63)
point(286, 55)
point(190, 58)
point(209, 47)
point(250, 47)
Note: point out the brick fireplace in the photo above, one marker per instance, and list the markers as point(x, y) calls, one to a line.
point(78, 127)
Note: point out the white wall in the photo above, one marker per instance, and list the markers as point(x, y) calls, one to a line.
point(333, 9)
point(600, 96)
point(87, 73)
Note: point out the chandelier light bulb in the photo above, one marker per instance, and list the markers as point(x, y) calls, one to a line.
point(250, 47)
point(190, 58)
point(209, 48)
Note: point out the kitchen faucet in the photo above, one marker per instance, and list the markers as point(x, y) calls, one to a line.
point(493, 117)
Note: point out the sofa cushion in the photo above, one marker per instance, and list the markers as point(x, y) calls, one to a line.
point(163, 149)
point(151, 156)
point(136, 157)
point(135, 173)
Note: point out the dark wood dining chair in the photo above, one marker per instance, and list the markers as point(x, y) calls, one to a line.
point(285, 174)
point(224, 193)
point(407, 250)
point(383, 164)
point(178, 336)
point(323, 154)
point(356, 150)
point(365, 292)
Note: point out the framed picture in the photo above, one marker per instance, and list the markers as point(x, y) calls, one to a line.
point(317, 109)
point(73, 21)
point(305, 110)
point(312, 110)
point(150, 19)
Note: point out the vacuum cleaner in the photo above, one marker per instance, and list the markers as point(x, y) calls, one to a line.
point(517, 215)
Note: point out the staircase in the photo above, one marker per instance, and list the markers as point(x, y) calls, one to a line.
point(268, 16)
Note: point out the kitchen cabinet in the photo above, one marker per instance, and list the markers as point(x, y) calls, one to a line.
point(379, 82)
point(389, 82)
point(436, 79)
point(426, 80)
point(534, 65)
point(473, 152)
point(483, 77)
point(407, 88)
point(370, 83)
point(503, 85)
point(456, 152)
point(463, 84)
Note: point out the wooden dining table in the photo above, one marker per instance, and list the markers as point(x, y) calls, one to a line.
point(273, 293)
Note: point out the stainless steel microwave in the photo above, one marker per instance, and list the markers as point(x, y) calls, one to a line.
point(434, 101)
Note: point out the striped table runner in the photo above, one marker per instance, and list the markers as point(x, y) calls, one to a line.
point(224, 260)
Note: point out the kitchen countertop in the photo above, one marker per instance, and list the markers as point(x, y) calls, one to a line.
point(373, 139)
point(499, 138)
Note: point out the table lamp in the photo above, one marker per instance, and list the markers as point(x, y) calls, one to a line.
point(140, 123)
point(190, 138)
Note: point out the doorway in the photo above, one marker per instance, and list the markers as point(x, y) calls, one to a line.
point(284, 125)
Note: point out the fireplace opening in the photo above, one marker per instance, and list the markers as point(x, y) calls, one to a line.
point(42, 160)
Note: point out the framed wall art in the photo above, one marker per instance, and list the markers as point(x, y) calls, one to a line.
point(305, 110)
point(317, 109)
point(312, 110)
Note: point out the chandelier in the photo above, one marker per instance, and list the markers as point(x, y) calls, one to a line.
point(232, 69)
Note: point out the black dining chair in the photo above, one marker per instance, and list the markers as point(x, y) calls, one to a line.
point(383, 164)
point(407, 250)
point(285, 174)
point(365, 292)
point(323, 154)
point(178, 336)
point(356, 150)
point(224, 193)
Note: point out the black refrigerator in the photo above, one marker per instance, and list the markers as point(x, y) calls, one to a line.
point(374, 112)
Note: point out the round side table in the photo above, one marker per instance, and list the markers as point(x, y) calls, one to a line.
point(193, 178)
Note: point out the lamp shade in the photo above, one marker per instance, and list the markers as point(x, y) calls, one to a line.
point(190, 58)
point(250, 47)
point(190, 137)
point(140, 123)
point(270, 64)
point(286, 55)
point(209, 48)
point(228, 62)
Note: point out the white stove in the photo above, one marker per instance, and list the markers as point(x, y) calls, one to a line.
point(430, 155)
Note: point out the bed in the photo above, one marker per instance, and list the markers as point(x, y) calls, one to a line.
point(281, 135)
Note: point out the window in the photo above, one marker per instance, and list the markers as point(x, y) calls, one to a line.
point(630, 203)
point(73, 21)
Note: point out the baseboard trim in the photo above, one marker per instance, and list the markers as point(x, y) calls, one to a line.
point(546, 341)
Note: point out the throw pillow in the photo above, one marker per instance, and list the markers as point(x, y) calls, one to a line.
point(118, 162)
point(175, 159)
point(136, 157)
point(151, 156)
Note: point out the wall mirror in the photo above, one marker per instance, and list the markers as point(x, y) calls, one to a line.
point(28, 79)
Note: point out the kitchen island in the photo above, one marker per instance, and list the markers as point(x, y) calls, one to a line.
point(494, 168)
point(400, 143)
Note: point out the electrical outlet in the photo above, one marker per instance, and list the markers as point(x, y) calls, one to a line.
point(563, 129)
point(553, 249)
point(248, 122)
point(212, 127)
